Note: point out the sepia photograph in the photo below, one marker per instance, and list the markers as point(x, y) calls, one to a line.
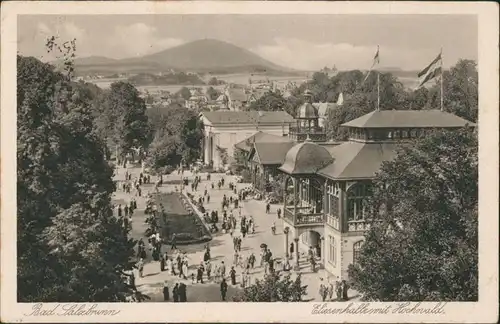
point(175, 156)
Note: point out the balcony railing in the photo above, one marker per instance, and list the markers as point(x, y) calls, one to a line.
point(333, 221)
point(303, 136)
point(288, 214)
point(357, 226)
point(310, 219)
point(303, 217)
point(307, 130)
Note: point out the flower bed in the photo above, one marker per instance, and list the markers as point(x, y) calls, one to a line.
point(179, 218)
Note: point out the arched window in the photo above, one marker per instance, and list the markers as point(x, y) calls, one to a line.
point(356, 250)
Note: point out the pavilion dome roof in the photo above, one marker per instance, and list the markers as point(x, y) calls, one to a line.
point(306, 158)
point(307, 111)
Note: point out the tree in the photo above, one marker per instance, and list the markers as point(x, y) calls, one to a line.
point(64, 182)
point(423, 243)
point(184, 93)
point(123, 119)
point(178, 135)
point(212, 93)
point(274, 288)
point(273, 101)
point(460, 85)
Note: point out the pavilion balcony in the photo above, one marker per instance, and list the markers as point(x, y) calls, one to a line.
point(316, 134)
point(303, 217)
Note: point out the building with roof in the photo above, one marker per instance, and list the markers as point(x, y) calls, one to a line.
point(324, 108)
point(224, 129)
point(326, 184)
point(237, 98)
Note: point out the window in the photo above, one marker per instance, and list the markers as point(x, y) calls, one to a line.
point(331, 250)
point(356, 251)
point(332, 200)
point(356, 196)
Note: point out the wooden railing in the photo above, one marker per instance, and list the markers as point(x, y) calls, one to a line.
point(310, 219)
point(303, 217)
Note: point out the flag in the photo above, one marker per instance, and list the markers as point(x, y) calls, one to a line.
point(376, 60)
point(431, 71)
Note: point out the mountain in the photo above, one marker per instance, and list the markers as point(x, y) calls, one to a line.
point(206, 55)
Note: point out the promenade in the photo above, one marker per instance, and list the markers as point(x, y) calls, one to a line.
point(221, 246)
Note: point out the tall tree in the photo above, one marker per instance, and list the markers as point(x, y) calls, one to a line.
point(274, 101)
point(64, 181)
point(178, 135)
point(423, 243)
point(461, 90)
point(124, 118)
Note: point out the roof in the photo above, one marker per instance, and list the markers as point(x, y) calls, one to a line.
point(248, 117)
point(272, 153)
point(324, 108)
point(408, 119)
point(221, 97)
point(306, 158)
point(260, 137)
point(237, 94)
point(307, 111)
point(354, 160)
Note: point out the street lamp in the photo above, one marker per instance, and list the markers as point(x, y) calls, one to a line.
point(286, 230)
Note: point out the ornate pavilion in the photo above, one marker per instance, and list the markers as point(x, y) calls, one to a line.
point(325, 185)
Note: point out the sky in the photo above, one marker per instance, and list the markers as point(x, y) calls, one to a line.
point(306, 42)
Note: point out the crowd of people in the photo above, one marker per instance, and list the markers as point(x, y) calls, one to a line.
point(340, 289)
point(227, 219)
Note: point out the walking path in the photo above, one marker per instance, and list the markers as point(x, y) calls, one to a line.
point(221, 246)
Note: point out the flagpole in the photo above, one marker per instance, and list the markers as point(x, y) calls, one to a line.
point(378, 90)
point(442, 74)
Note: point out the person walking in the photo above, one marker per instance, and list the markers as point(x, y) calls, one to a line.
point(268, 208)
point(278, 212)
point(162, 264)
point(345, 289)
point(338, 290)
point(174, 245)
point(232, 274)
point(140, 267)
point(223, 289)
point(251, 260)
point(223, 270)
point(331, 289)
point(199, 274)
point(175, 292)
point(182, 293)
point(166, 293)
point(323, 290)
point(208, 268)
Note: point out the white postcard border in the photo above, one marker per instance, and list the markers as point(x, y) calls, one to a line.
point(486, 310)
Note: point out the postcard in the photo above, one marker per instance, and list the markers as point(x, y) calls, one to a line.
point(248, 161)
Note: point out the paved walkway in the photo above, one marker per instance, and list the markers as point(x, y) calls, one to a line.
point(221, 246)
